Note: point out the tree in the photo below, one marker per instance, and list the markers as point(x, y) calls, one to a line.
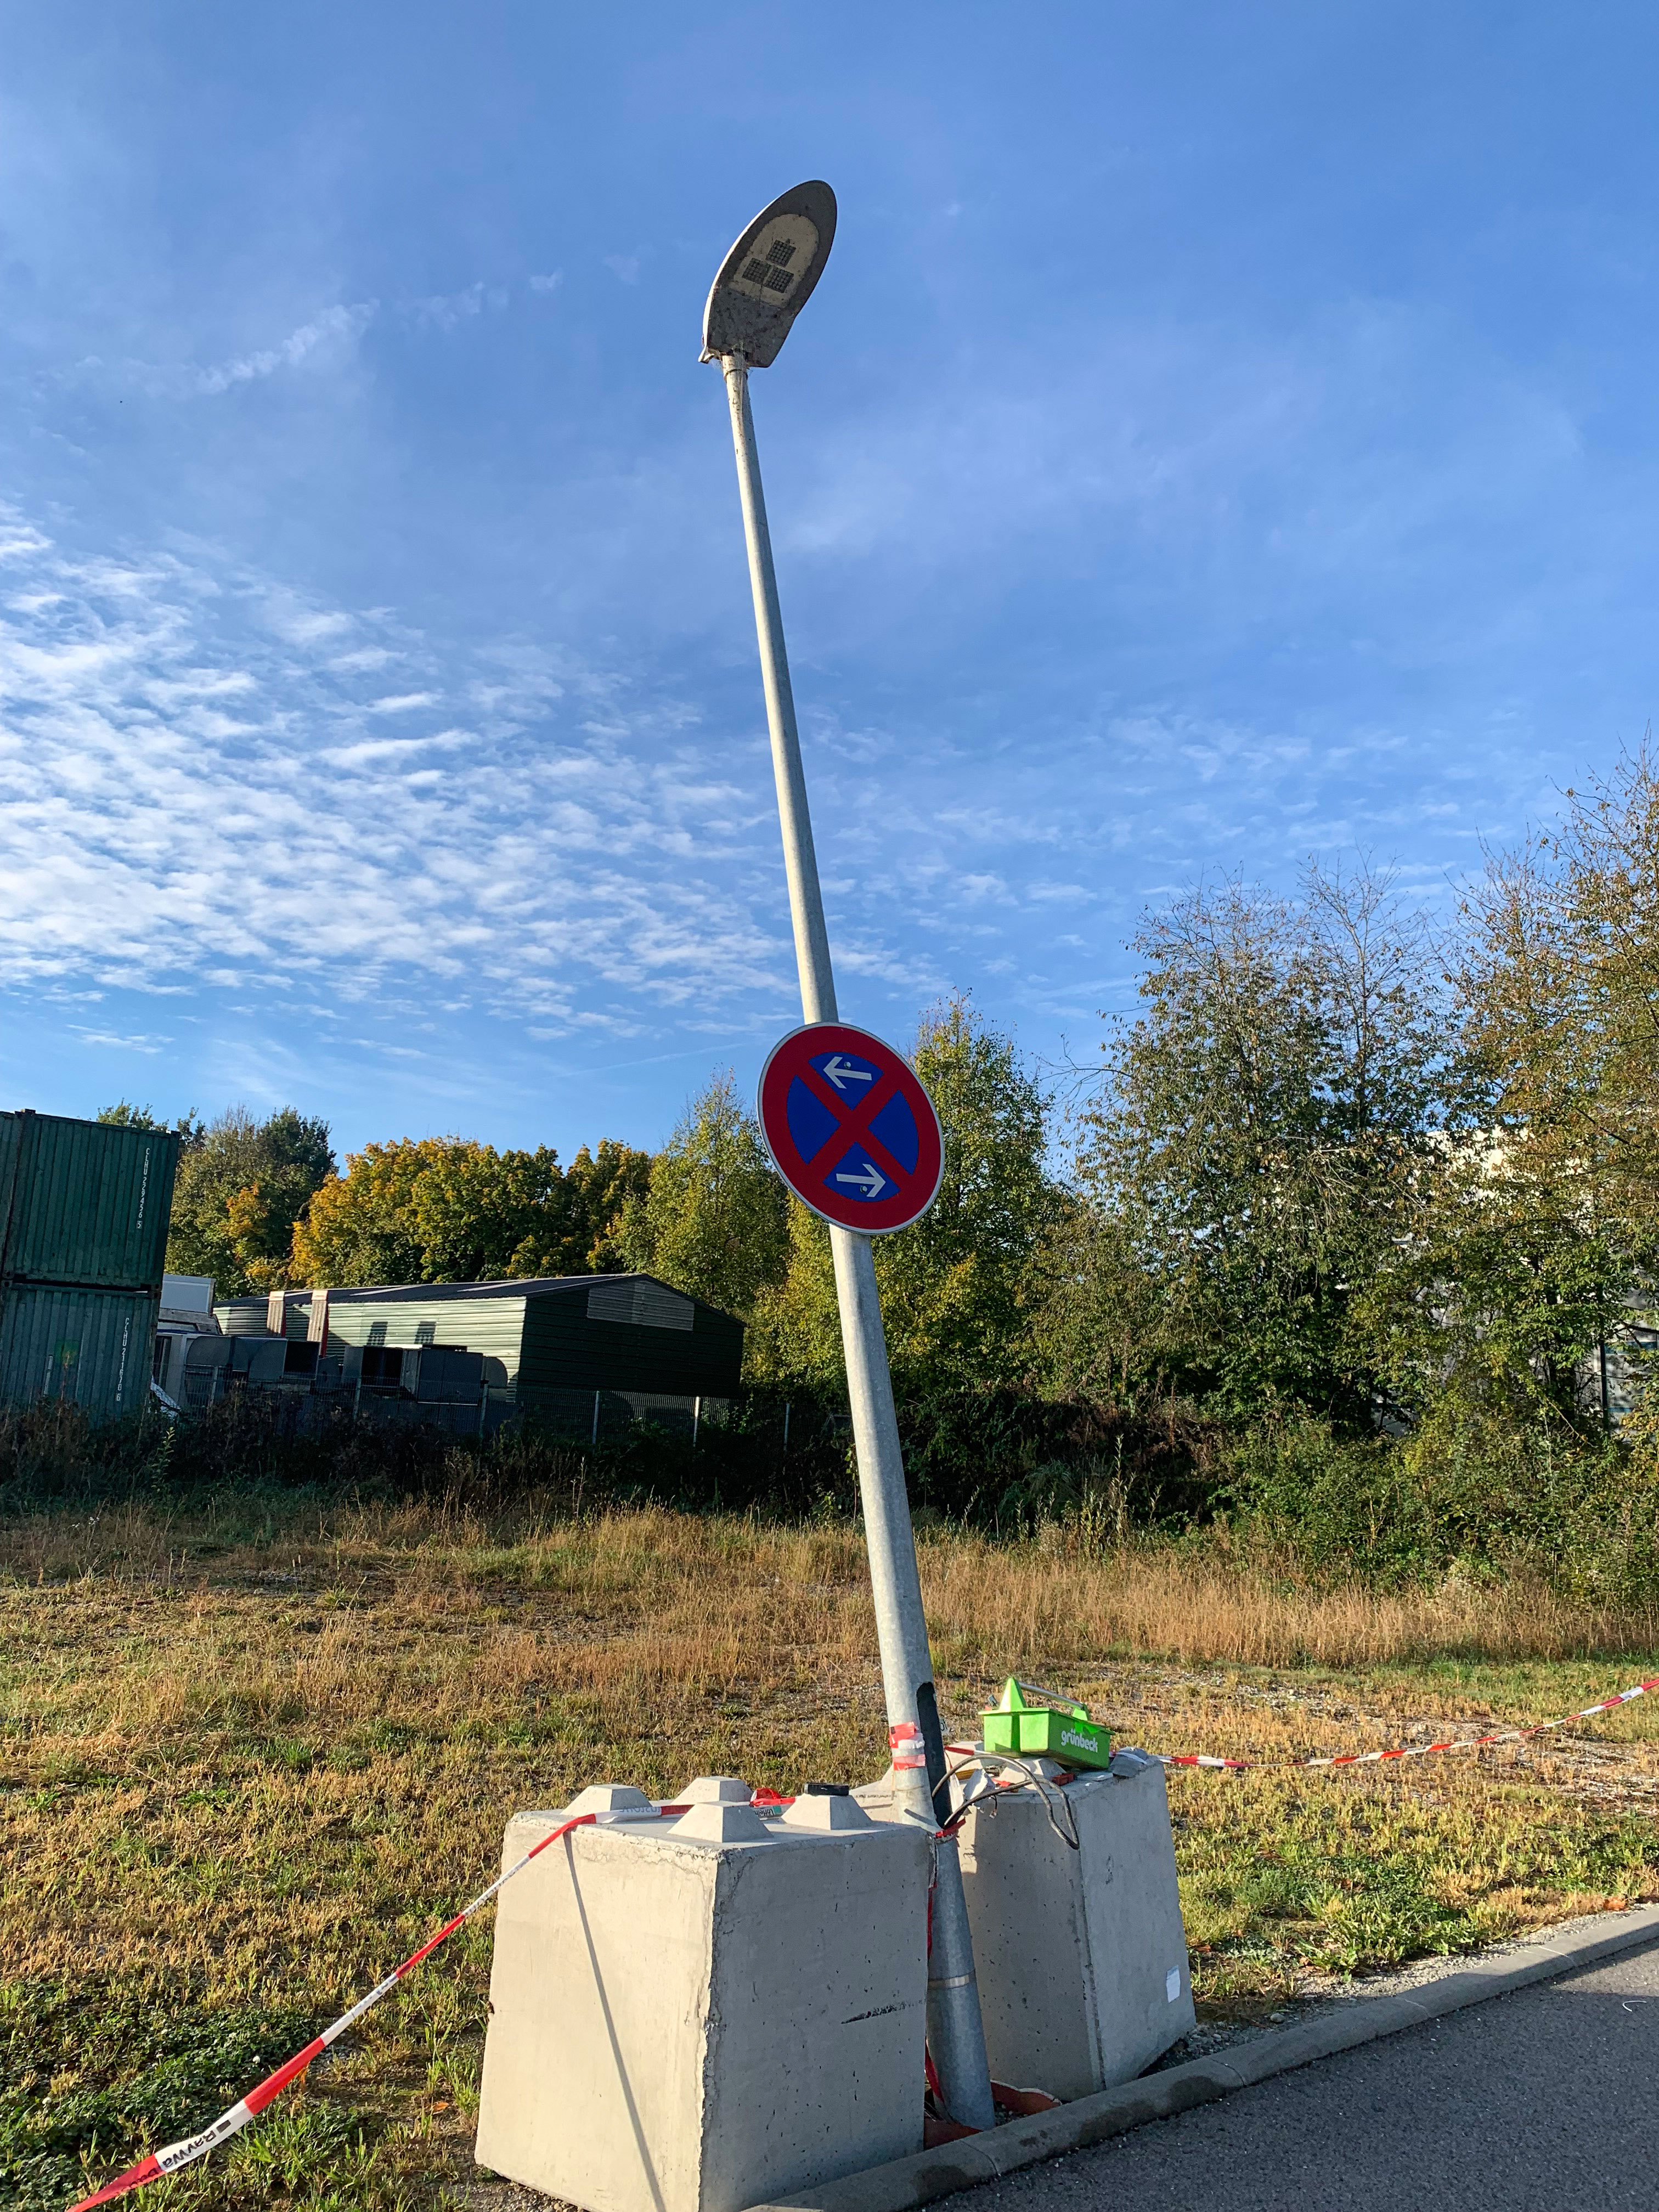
point(1559, 991)
point(1543, 1230)
point(961, 1286)
point(1264, 1132)
point(1106, 1331)
point(359, 1228)
point(601, 1186)
point(475, 1214)
point(714, 1220)
point(125, 1115)
point(242, 1185)
point(447, 1209)
point(795, 1330)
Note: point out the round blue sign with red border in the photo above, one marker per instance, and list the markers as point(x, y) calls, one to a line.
point(851, 1131)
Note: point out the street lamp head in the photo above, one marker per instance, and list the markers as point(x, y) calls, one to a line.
point(765, 279)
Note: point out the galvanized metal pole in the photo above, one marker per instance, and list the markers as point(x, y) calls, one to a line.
point(954, 2030)
point(817, 984)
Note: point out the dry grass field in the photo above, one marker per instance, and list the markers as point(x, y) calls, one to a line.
point(251, 1753)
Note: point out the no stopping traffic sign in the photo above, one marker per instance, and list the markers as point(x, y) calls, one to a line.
point(851, 1131)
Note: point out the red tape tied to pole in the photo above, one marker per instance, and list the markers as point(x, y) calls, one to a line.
point(174, 2156)
point(1210, 1761)
point(905, 1744)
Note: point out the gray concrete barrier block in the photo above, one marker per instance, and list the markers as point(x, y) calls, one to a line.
point(684, 2019)
point(1081, 1955)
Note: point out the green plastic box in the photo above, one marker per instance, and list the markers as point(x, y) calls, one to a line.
point(1059, 1728)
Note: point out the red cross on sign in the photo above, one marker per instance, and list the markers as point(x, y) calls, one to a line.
point(851, 1131)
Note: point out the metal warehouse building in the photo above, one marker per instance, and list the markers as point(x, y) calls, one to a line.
point(558, 1344)
point(84, 1233)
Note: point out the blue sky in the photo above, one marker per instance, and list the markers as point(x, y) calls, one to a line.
point(1222, 435)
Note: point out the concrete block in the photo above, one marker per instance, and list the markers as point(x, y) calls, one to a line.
point(1081, 1956)
point(714, 1822)
point(826, 1814)
point(702, 2015)
point(609, 1797)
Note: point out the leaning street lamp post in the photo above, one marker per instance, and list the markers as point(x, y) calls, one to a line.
point(764, 283)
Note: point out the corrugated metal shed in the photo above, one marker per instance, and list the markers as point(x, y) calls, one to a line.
point(552, 1335)
point(84, 1202)
point(89, 1346)
point(494, 1326)
point(427, 1315)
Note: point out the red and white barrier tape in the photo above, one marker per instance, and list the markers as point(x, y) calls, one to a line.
point(174, 2156)
point(1409, 1750)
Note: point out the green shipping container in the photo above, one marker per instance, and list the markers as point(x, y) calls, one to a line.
point(84, 1202)
point(91, 1348)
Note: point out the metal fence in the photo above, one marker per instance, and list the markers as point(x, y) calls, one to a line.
point(597, 1417)
point(305, 1405)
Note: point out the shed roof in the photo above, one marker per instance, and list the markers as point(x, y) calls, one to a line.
point(510, 1286)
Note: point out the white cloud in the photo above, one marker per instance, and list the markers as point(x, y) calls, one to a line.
point(402, 703)
point(208, 778)
point(140, 1043)
point(19, 540)
point(388, 749)
point(193, 787)
point(445, 311)
point(302, 624)
point(326, 337)
point(334, 328)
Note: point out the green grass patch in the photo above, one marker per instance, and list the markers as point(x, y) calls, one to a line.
point(93, 2077)
point(1282, 1877)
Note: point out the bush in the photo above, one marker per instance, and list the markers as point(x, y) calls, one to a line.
point(991, 1459)
point(250, 1442)
point(1471, 1494)
point(1468, 1494)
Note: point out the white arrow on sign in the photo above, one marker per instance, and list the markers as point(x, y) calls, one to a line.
point(841, 1072)
point(871, 1182)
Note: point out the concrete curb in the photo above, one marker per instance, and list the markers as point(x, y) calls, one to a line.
point(907, 2182)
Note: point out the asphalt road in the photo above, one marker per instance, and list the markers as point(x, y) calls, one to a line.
point(1543, 2102)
